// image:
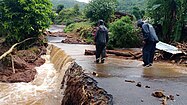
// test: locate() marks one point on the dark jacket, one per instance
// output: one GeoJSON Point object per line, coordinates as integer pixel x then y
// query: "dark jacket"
{"type": "Point", "coordinates": [149, 34]}
{"type": "Point", "coordinates": [101, 35]}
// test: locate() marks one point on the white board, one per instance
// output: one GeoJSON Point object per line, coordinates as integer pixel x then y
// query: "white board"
{"type": "Point", "coordinates": [168, 48]}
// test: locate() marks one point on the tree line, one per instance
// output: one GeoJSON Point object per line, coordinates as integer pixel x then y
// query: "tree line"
{"type": "Point", "coordinates": [21, 19]}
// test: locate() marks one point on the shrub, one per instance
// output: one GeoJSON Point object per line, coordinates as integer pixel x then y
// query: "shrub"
{"type": "Point", "coordinates": [123, 34]}
{"type": "Point", "coordinates": [83, 29]}
{"type": "Point", "coordinates": [25, 18]}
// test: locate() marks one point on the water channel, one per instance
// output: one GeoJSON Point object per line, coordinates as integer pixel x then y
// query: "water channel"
{"type": "Point", "coordinates": [45, 89]}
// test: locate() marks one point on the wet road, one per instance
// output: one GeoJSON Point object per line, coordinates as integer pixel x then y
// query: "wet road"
{"type": "Point", "coordinates": [112, 75]}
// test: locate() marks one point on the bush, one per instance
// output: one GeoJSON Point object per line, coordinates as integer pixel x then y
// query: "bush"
{"type": "Point", "coordinates": [123, 34]}
{"type": "Point", "coordinates": [25, 18]}
{"type": "Point", "coordinates": [77, 27]}
{"type": "Point", "coordinates": [68, 16]}
{"type": "Point", "coordinates": [83, 29]}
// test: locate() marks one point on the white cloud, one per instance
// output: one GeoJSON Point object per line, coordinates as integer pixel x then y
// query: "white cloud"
{"type": "Point", "coordinates": [86, 1]}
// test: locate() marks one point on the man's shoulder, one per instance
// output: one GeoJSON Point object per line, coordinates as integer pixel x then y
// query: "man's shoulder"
{"type": "Point", "coordinates": [145, 24]}
{"type": "Point", "coordinates": [102, 28]}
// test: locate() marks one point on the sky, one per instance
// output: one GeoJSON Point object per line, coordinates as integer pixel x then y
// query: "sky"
{"type": "Point", "coordinates": [86, 1]}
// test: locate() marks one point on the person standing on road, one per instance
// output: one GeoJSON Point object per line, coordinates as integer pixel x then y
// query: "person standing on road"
{"type": "Point", "coordinates": [101, 39]}
{"type": "Point", "coordinates": [149, 40]}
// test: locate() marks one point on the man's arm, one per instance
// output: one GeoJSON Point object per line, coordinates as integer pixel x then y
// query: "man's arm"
{"type": "Point", "coordinates": [96, 35]}
{"type": "Point", "coordinates": [107, 37]}
{"type": "Point", "coordinates": [146, 32]}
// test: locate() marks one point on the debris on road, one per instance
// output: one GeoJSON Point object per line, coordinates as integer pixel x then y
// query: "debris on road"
{"type": "Point", "coordinates": [131, 81]}
{"type": "Point", "coordinates": [139, 84]}
{"type": "Point", "coordinates": [167, 48]}
{"type": "Point", "coordinates": [128, 54]}
{"type": "Point", "coordinates": [158, 94]}
{"type": "Point", "coordinates": [147, 86]}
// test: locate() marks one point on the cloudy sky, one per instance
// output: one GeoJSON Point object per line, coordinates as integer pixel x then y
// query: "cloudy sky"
{"type": "Point", "coordinates": [86, 1]}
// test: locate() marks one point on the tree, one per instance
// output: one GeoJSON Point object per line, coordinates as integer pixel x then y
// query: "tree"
{"type": "Point", "coordinates": [100, 9]}
{"type": "Point", "coordinates": [181, 19]}
{"type": "Point", "coordinates": [25, 18]}
{"type": "Point", "coordinates": [2, 31]}
{"type": "Point", "coordinates": [128, 5]}
{"type": "Point", "coordinates": [138, 13]}
{"type": "Point", "coordinates": [66, 16]}
{"type": "Point", "coordinates": [59, 8]}
{"type": "Point", "coordinates": [171, 15]}
{"type": "Point", "coordinates": [76, 9]}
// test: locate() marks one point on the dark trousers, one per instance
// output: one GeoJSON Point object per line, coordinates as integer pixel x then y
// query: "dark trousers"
{"type": "Point", "coordinates": [100, 51]}
{"type": "Point", "coordinates": [148, 53]}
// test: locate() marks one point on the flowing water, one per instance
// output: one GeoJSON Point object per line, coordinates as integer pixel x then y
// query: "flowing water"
{"type": "Point", "coordinates": [45, 88]}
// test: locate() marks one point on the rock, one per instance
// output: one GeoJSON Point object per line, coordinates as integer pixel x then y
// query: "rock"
{"type": "Point", "coordinates": [158, 94]}
{"type": "Point", "coordinates": [177, 95]}
{"type": "Point", "coordinates": [95, 74]}
{"type": "Point", "coordinates": [171, 97]}
{"type": "Point", "coordinates": [147, 87]}
{"type": "Point", "coordinates": [164, 101]}
{"type": "Point", "coordinates": [139, 84]}
{"type": "Point", "coordinates": [173, 61]}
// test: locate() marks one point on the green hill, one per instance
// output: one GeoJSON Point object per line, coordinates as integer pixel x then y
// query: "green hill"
{"type": "Point", "coordinates": [127, 5]}
{"type": "Point", "coordinates": [67, 3]}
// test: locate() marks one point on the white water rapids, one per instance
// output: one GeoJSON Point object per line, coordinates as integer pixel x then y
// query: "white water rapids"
{"type": "Point", "coordinates": [44, 90]}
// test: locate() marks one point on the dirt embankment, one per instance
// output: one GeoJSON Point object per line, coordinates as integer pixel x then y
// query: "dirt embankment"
{"type": "Point", "coordinates": [71, 38]}
{"type": "Point", "coordinates": [80, 89]}
{"type": "Point", "coordinates": [20, 65]}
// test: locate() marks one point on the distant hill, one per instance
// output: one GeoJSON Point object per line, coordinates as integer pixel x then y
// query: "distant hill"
{"type": "Point", "coordinates": [123, 5]}
{"type": "Point", "coordinates": [67, 3]}
{"type": "Point", "coordinates": [127, 5]}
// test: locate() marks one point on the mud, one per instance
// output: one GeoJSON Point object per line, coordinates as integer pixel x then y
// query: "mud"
{"type": "Point", "coordinates": [81, 89]}
{"type": "Point", "coordinates": [24, 63]}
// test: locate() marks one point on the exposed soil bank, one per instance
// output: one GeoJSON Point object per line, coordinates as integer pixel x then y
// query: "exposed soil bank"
{"type": "Point", "coordinates": [24, 62]}
{"type": "Point", "coordinates": [81, 89]}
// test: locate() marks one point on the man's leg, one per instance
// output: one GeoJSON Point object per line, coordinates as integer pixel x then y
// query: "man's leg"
{"type": "Point", "coordinates": [153, 48]}
{"type": "Point", "coordinates": [103, 54]}
{"type": "Point", "coordinates": [146, 54]}
{"type": "Point", "coordinates": [98, 52]}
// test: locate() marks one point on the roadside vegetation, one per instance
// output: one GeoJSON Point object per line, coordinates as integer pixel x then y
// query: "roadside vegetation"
{"type": "Point", "coordinates": [124, 34]}
{"type": "Point", "coordinates": [22, 19]}
{"type": "Point", "coordinates": [22, 23]}
{"type": "Point", "coordinates": [82, 30]}
{"type": "Point", "coordinates": [168, 17]}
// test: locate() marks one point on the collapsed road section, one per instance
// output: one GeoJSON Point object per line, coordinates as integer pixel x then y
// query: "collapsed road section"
{"type": "Point", "coordinates": [78, 88]}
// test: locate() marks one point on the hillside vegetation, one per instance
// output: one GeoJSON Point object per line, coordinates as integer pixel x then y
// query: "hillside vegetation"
{"type": "Point", "coordinates": [67, 3]}
{"type": "Point", "coordinates": [128, 5]}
